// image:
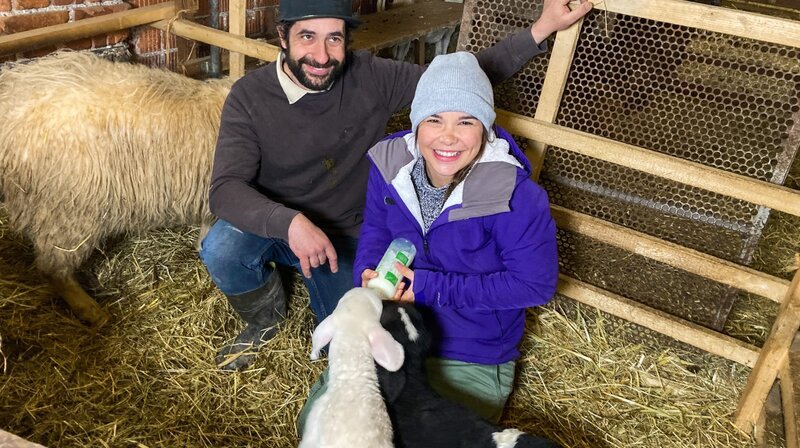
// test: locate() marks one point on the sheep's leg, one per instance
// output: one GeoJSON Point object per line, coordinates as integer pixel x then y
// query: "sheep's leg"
{"type": "Point", "coordinates": [83, 305]}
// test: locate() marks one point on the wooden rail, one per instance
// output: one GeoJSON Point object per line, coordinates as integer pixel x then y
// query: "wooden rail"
{"type": "Point", "coordinates": [66, 32]}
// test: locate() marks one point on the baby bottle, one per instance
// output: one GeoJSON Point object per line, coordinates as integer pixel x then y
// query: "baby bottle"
{"type": "Point", "coordinates": [402, 251]}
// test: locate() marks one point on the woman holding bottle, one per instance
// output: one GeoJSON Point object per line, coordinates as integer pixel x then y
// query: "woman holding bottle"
{"type": "Point", "coordinates": [459, 190]}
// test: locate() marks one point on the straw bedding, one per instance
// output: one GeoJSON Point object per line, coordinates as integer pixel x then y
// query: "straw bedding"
{"type": "Point", "coordinates": [148, 379]}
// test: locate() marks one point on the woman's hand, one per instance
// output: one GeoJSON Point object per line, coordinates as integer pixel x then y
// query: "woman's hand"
{"type": "Point", "coordinates": [405, 293]}
{"type": "Point", "coordinates": [366, 276]}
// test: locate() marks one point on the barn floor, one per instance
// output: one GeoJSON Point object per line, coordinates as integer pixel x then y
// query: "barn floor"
{"type": "Point", "coordinates": [147, 379]}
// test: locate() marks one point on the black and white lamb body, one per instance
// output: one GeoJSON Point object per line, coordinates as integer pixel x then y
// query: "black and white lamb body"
{"type": "Point", "coordinates": [421, 417]}
{"type": "Point", "coordinates": [351, 413]}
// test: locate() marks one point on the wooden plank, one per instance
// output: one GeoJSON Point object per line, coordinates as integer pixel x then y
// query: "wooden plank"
{"type": "Point", "coordinates": [403, 23]}
{"type": "Point", "coordinates": [771, 359]}
{"type": "Point", "coordinates": [66, 32]}
{"type": "Point", "coordinates": [237, 25]}
{"type": "Point", "coordinates": [664, 323]}
{"type": "Point", "coordinates": [790, 395]}
{"type": "Point", "coordinates": [672, 254]}
{"type": "Point", "coordinates": [713, 18]}
{"type": "Point", "coordinates": [244, 45]}
{"type": "Point", "coordinates": [657, 164]}
{"type": "Point", "coordinates": [555, 81]}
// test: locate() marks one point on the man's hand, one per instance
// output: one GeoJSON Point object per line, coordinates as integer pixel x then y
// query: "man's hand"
{"type": "Point", "coordinates": [310, 245]}
{"type": "Point", "coordinates": [557, 16]}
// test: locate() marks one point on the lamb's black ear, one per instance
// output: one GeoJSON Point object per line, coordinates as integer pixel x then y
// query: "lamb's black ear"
{"type": "Point", "coordinates": [392, 383]}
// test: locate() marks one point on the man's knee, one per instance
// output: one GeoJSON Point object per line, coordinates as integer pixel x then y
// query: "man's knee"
{"type": "Point", "coordinates": [233, 258]}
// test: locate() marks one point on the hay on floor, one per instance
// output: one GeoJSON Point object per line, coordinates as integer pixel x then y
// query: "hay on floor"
{"type": "Point", "coordinates": [148, 378]}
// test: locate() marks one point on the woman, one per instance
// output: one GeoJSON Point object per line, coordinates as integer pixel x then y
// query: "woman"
{"type": "Point", "coordinates": [486, 243]}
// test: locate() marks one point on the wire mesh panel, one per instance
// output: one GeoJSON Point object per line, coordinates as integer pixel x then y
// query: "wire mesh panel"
{"type": "Point", "coordinates": [727, 102]}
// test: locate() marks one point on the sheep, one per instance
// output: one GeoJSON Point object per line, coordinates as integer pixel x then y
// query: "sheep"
{"type": "Point", "coordinates": [420, 416]}
{"type": "Point", "coordinates": [90, 149]}
{"type": "Point", "coordinates": [351, 412]}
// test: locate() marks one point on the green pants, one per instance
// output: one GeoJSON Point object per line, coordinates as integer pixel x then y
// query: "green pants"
{"type": "Point", "coordinates": [483, 389]}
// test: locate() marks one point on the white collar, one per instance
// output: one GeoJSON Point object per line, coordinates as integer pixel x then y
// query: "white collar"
{"type": "Point", "coordinates": [293, 91]}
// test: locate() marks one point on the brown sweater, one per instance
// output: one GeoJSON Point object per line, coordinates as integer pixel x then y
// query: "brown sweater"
{"type": "Point", "coordinates": [274, 159]}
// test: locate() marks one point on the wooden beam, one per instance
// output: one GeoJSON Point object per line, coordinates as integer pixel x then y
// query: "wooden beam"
{"type": "Point", "coordinates": [773, 355]}
{"type": "Point", "coordinates": [66, 32]}
{"type": "Point", "coordinates": [237, 25]}
{"type": "Point", "coordinates": [244, 45]}
{"type": "Point", "coordinates": [671, 254]}
{"type": "Point", "coordinates": [555, 81]}
{"type": "Point", "coordinates": [404, 23]}
{"type": "Point", "coordinates": [664, 323]}
{"type": "Point", "coordinates": [651, 162]}
{"type": "Point", "coordinates": [790, 395]}
{"type": "Point", "coordinates": [713, 18]}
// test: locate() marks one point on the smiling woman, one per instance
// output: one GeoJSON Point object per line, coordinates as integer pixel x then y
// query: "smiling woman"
{"type": "Point", "coordinates": [459, 190]}
{"type": "Point", "coordinates": [449, 142]}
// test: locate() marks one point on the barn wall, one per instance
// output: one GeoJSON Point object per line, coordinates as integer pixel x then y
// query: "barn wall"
{"type": "Point", "coordinates": [147, 45]}
{"type": "Point", "coordinates": [23, 15]}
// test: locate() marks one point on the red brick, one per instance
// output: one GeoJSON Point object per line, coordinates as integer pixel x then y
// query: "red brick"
{"type": "Point", "coordinates": [140, 3]}
{"type": "Point", "coordinates": [15, 24]}
{"type": "Point", "coordinates": [147, 40]}
{"type": "Point", "coordinates": [5, 5]}
{"type": "Point", "coordinates": [80, 44]}
{"type": "Point", "coordinates": [94, 11]}
{"type": "Point", "coordinates": [65, 2]}
{"type": "Point", "coordinates": [263, 23]}
{"type": "Point", "coordinates": [33, 54]}
{"type": "Point", "coordinates": [115, 38]}
{"type": "Point", "coordinates": [30, 4]}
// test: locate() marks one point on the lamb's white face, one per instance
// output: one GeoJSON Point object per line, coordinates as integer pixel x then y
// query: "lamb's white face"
{"type": "Point", "coordinates": [363, 301]}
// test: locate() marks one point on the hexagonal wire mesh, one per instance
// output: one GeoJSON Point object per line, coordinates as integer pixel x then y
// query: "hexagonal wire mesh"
{"type": "Point", "coordinates": [723, 101]}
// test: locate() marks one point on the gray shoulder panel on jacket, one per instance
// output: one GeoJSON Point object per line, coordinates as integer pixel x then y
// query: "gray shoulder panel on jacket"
{"type": "Point", "coordinates": [487, 190]}
{"type": "Point", "coordinates": [389, 156]}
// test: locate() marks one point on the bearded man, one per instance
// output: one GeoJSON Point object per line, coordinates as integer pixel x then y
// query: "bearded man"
{"type": "Point", "coordinates": [290, 172]}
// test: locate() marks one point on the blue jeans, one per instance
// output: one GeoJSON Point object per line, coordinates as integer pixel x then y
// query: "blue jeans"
{"type": "Point", "coordinates": [239, 262]}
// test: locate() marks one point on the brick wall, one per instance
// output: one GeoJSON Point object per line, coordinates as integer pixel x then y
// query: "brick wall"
{"type": "Point", "coordinates": [23, 15]}
{"type": "Point", "coordinates": [147, 45]}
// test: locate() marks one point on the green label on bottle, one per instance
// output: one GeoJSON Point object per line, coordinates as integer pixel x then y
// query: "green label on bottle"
{"type": "Point", "coordinates": [402, 258]}
{"type": "Point", "coordinates": [391, 277]}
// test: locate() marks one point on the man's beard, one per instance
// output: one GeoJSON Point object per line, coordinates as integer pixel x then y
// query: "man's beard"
{"type": "Point", "coordinates": [314, 82]}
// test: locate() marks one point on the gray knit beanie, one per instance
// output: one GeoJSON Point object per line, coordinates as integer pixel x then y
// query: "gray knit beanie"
{"type": "Point", "coordinates": [453, 83]}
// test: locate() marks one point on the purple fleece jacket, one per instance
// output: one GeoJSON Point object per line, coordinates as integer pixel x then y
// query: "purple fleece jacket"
{"type": "Point", "coordinates": [487, 257]}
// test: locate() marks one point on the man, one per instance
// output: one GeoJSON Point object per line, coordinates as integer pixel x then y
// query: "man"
{"type": "Point", "coordinates": [289, 177]}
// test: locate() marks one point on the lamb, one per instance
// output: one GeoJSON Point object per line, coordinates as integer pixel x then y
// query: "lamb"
{"type": "Point", "coordinates": [351, 412]}
{"type": "Point", "coordinates": [90, 149]}
{"type": "Point", "coordinates": [420, 416]}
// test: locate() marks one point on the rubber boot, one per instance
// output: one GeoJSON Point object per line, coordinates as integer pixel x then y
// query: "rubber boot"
{"type": "Point", "coordinates": [263, 309]}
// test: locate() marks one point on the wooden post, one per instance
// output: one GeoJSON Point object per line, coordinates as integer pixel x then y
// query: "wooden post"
{"type": "Point", "coordinates": [555, 81]}
{"type": "Point", "coordinates": [237, 25]}
{"type": "Point", "coordinates": [790, 395]}
{"type": "Point", "coordinates": [771, 359]}
{"type": "Point", "coordinates": [419, 50]}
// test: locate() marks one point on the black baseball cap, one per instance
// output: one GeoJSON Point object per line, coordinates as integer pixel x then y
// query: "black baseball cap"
{"type": "Point", "coordinates": [293, 10]}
